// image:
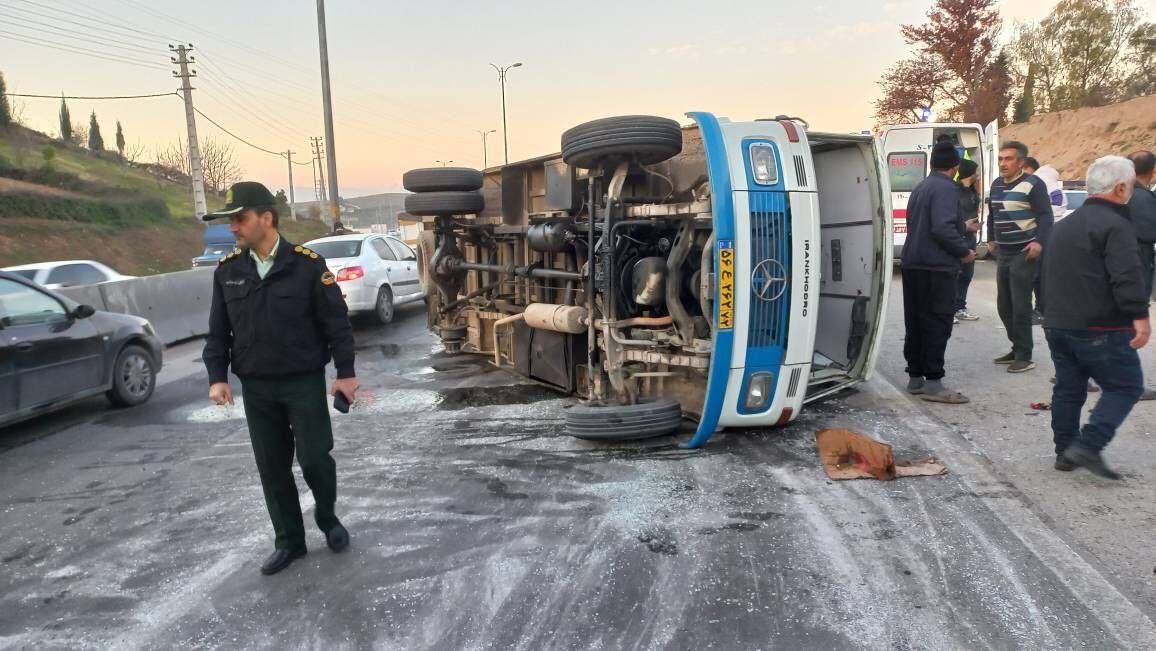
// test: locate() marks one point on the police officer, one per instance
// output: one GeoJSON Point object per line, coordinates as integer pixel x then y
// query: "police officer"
{"type": "Point", "coordinates": [278, 317]}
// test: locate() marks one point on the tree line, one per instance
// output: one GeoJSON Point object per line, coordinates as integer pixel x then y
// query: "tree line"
{"type": "Point", "coordinates": [219, 161]}
{"type": "Point", "coordinates": [1084, 53]}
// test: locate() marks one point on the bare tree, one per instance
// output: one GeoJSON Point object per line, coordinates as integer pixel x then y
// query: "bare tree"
{"type": "Point", "coordinates": [174, 157]}
{"type": "Point", "coordinates": [79, 134]}
{"type": "Point", "coordinates": [218, 162]}
{"type": "Point", "coordinates": [133, 153]}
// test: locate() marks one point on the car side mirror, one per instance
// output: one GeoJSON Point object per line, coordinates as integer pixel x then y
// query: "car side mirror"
{"type": "Point", "coordinates": [411, 258]}
{"type": "Point", "coordinates": [83, 311]}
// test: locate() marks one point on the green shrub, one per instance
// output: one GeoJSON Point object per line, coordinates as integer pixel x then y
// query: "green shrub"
{"type": "Point", "coordinates": [114, 213]}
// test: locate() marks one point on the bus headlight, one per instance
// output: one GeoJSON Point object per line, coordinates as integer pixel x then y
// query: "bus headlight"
{"type": "Point", "coordinates": [764, 165]}
{"type": "Point", "coordinates": [759, 390]}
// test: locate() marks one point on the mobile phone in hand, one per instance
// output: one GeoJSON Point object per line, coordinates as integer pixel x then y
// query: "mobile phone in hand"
{"type": "Point", "coordinates": [340, 402]}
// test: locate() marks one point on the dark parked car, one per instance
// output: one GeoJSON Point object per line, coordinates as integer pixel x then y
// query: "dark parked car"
{"type": "Point", "coordinates": [54, 351]}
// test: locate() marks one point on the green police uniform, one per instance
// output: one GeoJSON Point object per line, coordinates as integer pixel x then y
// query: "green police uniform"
{"type": "Point", "coordinates": [278, 321]}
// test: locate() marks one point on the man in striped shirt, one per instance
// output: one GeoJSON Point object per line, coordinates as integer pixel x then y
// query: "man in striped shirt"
{"type": "Point", "coordinates": [1017, 231]}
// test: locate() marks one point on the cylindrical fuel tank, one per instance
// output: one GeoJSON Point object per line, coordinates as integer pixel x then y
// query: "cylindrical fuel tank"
{"type": "Point", "coordinates": [550, 237]}
{"type": "Point", "coordinates": [558, 318]}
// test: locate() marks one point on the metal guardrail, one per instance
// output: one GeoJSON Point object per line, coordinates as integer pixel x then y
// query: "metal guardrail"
{"type": "Point", "coordinates": [176, 303]}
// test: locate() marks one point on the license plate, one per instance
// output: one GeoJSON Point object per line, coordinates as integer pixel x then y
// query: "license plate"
{"type": "Point", "coordinates": [726, 285]}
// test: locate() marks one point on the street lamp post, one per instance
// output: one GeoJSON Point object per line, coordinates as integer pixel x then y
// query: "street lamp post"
{"type": "Point", "coordinates": [502, 82]}
{"type": "Point", "coordinates": [485, 154]}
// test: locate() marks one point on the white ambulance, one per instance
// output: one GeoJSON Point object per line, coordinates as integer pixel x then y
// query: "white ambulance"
{"type": "Point", "coordinates": [907, 153]}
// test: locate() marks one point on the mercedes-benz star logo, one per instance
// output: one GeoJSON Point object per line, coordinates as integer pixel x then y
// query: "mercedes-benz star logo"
{"type": "Point", "coordinates": [769, 280]}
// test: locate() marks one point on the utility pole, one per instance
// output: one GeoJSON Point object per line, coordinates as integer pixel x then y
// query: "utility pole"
{"type": "Point", "coordinates": [502, 81]}
{"type": "Point", "coordinates": [485, 155]}
{"type": "Point", "coordinates": [200, 206]}
{"type": "Point", "coordinates": [292, 209]}
{"type": "Point", "coordinates": [327, 99]}
{"type": "Point", "coordinates": [319, 173]}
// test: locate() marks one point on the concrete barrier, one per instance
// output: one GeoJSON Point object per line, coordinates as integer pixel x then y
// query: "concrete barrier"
{"type": "Point", "coordinates": [87, 295]}
{"type": "Point", "coordinates": [176, 303]}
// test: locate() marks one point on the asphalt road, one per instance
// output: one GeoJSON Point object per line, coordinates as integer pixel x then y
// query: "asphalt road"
{"type": "Point", "coordinates": [476, 524]}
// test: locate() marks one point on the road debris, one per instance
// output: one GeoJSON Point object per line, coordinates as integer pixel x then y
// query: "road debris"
{"type": "Point", "coordinates": [848, 455]}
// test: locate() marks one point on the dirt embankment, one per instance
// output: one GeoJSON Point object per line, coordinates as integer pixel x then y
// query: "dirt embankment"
{"type": "Point", "coordinates": [1071, 140]}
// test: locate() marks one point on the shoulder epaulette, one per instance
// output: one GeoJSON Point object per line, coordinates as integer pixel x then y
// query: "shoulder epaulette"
{"type": "Point", "coordinates": [232, 254]}
{"type": "Point", "coordinates": [312, 255]}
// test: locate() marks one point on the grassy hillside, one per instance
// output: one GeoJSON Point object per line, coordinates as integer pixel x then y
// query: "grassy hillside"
{"type": "Point", "coordinates": [59, 202]}
{"type": "Point", "coordinates": [1071, 140]}
{"type": "Point", "coordinates": [27, 150]}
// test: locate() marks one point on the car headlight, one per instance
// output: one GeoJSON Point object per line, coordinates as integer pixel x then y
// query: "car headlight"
{"type": "Point", "coordinates": [759, 390]}
{"type": "Point", "coordinates": [764, 164]}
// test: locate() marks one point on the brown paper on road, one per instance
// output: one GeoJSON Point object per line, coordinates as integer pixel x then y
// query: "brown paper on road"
{"type": "Point", "coordinates": [847, 455]}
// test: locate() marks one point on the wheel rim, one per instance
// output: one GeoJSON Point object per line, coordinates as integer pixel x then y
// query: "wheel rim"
{"type": "Point", "coordinates": [135, 375]}
{"type": "Point", "coordinates": [385, 306]}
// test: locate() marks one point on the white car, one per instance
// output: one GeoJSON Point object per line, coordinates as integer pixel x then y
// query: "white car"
{"type": "Point", "coordinates": [1074, 199]}
{"type": "Point", "coordinates": [67, 273]}
{"type": "Point", "coordinates": [376, 272]}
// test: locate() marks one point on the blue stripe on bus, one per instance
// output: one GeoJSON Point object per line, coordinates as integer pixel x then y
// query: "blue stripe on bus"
{"type": "Point", "coordinates": [722, 207]}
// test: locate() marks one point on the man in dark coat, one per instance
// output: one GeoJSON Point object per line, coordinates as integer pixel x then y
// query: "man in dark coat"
{"type": "Point", "coordinates": [1096, 316]}
{"type": "Point", "coordinates": [932, 258]}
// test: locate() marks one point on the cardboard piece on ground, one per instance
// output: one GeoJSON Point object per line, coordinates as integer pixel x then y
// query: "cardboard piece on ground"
{"type": "Point", "coordinates": [848, 455]}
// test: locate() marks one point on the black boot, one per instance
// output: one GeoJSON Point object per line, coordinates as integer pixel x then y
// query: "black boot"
{"type": "Point", "coordinates": [281, 559]}
{"type": "Point", "coordinates": [337, 538]}
{"type": "Point", "coordinates": [1093, 461]}
{"type": "Point", "coordinates": [1063, 464]}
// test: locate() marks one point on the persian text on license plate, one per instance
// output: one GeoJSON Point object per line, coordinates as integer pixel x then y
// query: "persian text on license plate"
{"type": "Point", "coordinates": [726, 285]}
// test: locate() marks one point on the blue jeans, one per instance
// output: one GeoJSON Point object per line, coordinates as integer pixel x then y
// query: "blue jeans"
{"type": "Point", "coordinates": [1105, 357]}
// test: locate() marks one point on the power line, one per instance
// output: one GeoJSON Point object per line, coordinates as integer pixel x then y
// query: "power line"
{"type": "Point", "coordinates": [91, 97]}
{"type": "Point", "coordinates": [93, 19]}
{"type": "Point", "coordinates": [87, 36]}
{"type": "Point", "coordinates": [218, 125]}
{"type": "Point", "coordinates": [54, 45]}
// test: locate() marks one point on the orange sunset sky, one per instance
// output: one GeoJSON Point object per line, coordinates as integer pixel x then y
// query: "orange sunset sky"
{"type": "Point", "coordinates": [412, 82]}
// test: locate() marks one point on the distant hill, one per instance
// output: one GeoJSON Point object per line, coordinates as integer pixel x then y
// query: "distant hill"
{"type": "Point", "coordinates": [1071, 140]}
{"type": "Point", "coordinates": [61, 202]}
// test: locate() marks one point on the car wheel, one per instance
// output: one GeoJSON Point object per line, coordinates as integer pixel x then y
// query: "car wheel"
{"type": "Point", "coordinates": [648, 418]}
{"type": "Point", "coordinates": [441, 179]}
{"type": "Point", "coordinates": [134, 377]}
{"type": "Point", "coordinates": [640, 138]}
{"type": "Point", "coordinates": [384, 309]}
{"type": "Point", "coordinates": [444, 203]}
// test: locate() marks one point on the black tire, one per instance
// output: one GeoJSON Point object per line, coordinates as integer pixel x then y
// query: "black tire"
{"type": "Point", "coordinates": [442, 179]}
{"type": "Point", "coordinates": [641, 138]}
{"type": "Point", "coordinates": [134, 377]}
{"type": "Point", "coordinates": [384, 309]}
{"type": "Point", "coordinates": [435, 204]}
{"type": "Point", "coordinates": [649, 418]}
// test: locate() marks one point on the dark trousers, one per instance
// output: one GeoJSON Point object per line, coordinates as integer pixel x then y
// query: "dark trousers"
{"type": "Point", "coordinates": [1105, 357]}
{"type": "Point", "coordinates": [1013, 282]}
{"type": "Point", "coordinates": [928, 311]}
{"type": "Point", "coordinates": [287, 414]}
{"type": "Point", "coordinates": [962, 284]}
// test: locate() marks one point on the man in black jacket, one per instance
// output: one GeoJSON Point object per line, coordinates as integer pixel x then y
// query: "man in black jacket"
{"type": "Point", "coordinates": [277, 318]}
{"type": "Point", "coordinates": [932, 258]}
{"type": "Point", "coordinates": [1142, 208]}
{"type": "Point", "coordinates": [1096, 316]}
